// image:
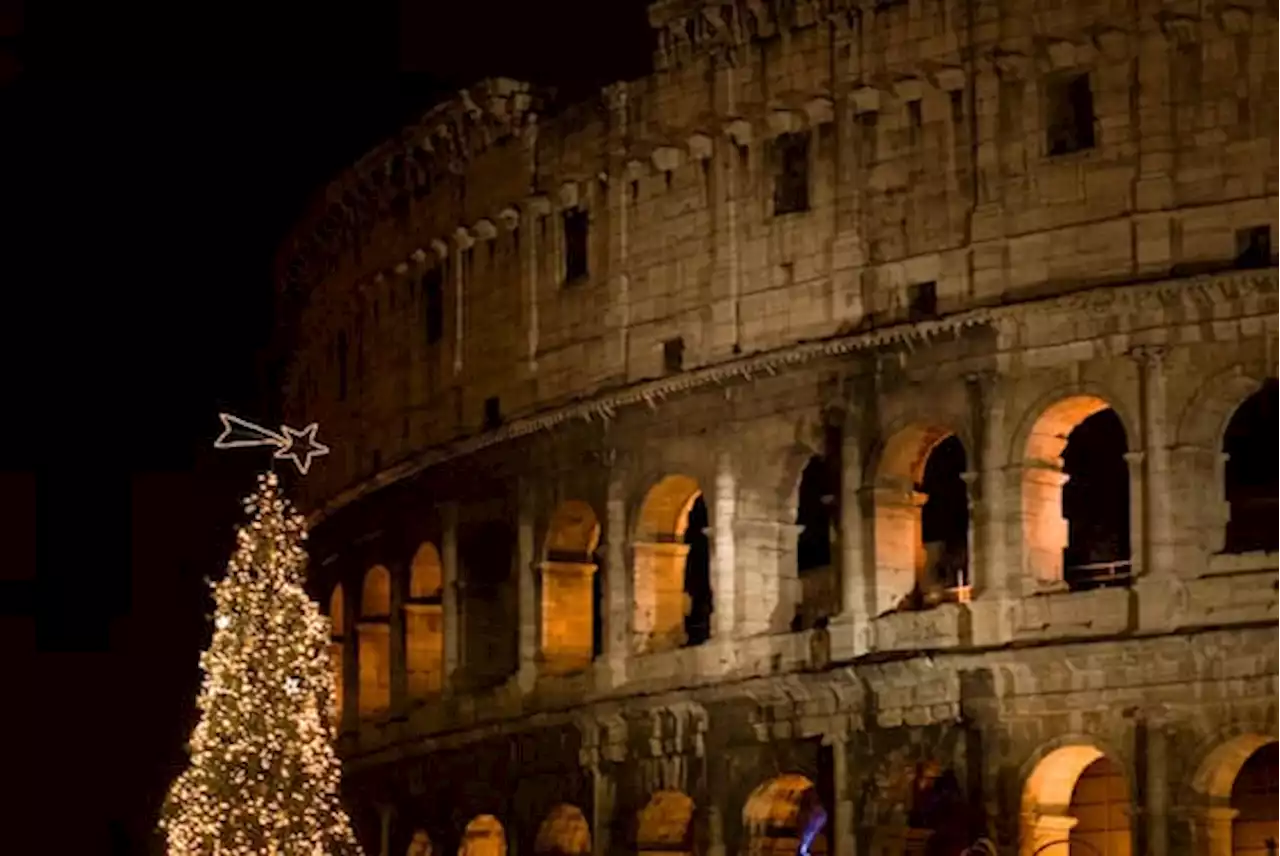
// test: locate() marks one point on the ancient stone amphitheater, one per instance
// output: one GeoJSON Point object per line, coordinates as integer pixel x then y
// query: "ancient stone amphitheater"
{"type": "Point", "coordinates": [874, 408]}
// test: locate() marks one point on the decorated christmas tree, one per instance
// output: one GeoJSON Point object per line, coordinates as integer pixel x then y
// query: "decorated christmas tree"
{"type": "Point", "coordinates": [263, 776]}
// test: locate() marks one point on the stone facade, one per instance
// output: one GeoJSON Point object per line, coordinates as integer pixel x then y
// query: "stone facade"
{"type": "Point", "coordinates": [872, 408]}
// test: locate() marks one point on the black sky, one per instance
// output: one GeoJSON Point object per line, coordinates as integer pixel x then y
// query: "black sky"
{"type": "Point", "coordinates": [152, 158]}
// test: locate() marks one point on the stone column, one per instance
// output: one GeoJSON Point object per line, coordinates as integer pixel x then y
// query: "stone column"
{"type": "Point", "coordinates": [527, 641]}
{"type": "Point", "coordinates": [1157, 791]}
{"type": "Point", "coordinates": [724, 581]}
{"type": "Point", "coordinates": [449, 592]}
{"type": "Point", "coordinates": [350, 666]}
{"type": "Point", "coordinates": [618, 316]}
{"type": "Point", "coordinates": [616, 617]}
{"type": "Point", "coordinates": [840, 825]}
{"type": "Point", "coordinates": [384, 816]}
{"type": "Point", "coordinates": [1050, 835]}
{"type": "Point", "coordinates": [1211, 830]}
{"type": "Point", "coordinates": [770, 588]}
{"type": "Point", "coordinates": [399, 672]}
{"type": "Point", "coordinates": [1157, 550]}
{"type": "Point", "coordinates": [857, 569]}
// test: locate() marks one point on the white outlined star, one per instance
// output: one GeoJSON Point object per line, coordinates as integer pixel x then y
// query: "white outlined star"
{"type": "Point", "coordinates": [310, 448]}
{"type": "Point", "coordinates": [291, 444]}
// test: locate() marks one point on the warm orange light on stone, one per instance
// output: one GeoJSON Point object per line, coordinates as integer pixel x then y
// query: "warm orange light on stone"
{"type": "Point", "coordinates": [374, 637]}
{"type": "Point", "coordinates": [662, 826]}
{"type": "Point", "coordinates": [1044, 529]}
{"type": "Point", "coordinates": [424, 624]}
{"type": "Point", "coordinates": [484, 836]}
{"type": "Point", "coordinates": [564, 833]}
{"type": "Point", "coordinates": [659, 562]}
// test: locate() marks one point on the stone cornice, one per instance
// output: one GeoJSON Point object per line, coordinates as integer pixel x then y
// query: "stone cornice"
{"type": "Point", "coordinates": [1105, 299]}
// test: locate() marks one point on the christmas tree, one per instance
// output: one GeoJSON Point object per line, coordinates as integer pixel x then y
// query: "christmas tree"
{"type": "Point", "coordinates": [263, 776]}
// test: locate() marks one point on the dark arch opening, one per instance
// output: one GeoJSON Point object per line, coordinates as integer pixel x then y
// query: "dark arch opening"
{"type": "Point", "coordinates": [944, 519]}
{"type": "Point", "coordinates": [1254, 830]}
{"type": "Point", "coordinates": [697, 576]}
{"type": "Point", "coordinates": [1250, 473]}
{"type": "Point", "coordinates": [817, 501]}
{"type": "Point", "coordinates": [1095, 503]}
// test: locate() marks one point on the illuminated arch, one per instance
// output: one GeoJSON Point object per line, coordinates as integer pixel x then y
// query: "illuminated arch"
{"type": "Point", "coordinates": [1076, 795]}
{"type": "Point", "coordinates": [672, 588]}
{"type": "Point", "coordinates": [374, 638]}
{"type": "Point", "coordinates": [778, 813]}
{"type": "Point", "coordinates": [909, 572]}
{"type": "Point", "coordinates": [424, 624]}
{"type": "Point", "coordinates": [564, 832]}
{"type": "Point", "coordinates": [484, 836]}
{"type": "Point", "coordinates": [569, 598]}
{"type": "Point", "coordinates": [1048, 536]}
{"type": "Point", "coordinates": [664, 825]}
{"type": "Point", "coordinates": [426, 574]}
{"type": "Point", "coordinates": [1232, 808]}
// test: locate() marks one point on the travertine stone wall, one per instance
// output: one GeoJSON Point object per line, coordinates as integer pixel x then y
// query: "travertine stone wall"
{"type": "Point", "coordinates": [816, 230]}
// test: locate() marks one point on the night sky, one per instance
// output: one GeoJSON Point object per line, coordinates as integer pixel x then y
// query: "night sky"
{"type": "Point", "coordinates": [153, 159]}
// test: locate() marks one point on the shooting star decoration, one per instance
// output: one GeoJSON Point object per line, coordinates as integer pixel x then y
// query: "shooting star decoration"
{"type": "Point", "coordinates": [291, 444]}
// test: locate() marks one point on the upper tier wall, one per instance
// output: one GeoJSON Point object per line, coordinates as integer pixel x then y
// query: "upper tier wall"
{"type": "Point", "coordinates": [790, 171]}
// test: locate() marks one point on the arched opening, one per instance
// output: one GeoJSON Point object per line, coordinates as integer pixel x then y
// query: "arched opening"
{"type": "Point", "coordinates": [817, 515]}
{"type": "Point", "coordinates": [921, 520]}
{"type": "Point", "coordinates": [673, 598]}
{"type": "Point", "coordinates": [1075, 496]}
{"type": "Point", "coordinates": [1255, 829]}
{"type": "Point", "coordinates": [420, 844]}
{"type": "Point", "coordinates": [568, 589]}
{"type": "Point", "coordinates": [424, 624]}
{"type": "Point", "coordinates": [1250, 474]}
{"type": "Point", "coordinates": [490, 613]}
{"type": "Point", "coordinates": [374, 637]}
{"type": "Point", "coordinates": [939, 819]}
{"type": "Point", "coordinates": [664, 827]}
{"type": "Point", "coordinates": [484, 836]}
{"type": "Point", "coordinates": [1076, 803]}
{"type": "Point", "coordinates": [1234, 806]}
{"type": "Point", "coordinates": [783, 817]}
{"type": "Point", "coordinates": [337, 641]}
{"type": "Point", "coordinates": [564, 832]}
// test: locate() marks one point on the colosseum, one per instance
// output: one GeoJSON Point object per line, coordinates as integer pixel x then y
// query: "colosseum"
{"type": "Point", "coordinates": [858, 436]}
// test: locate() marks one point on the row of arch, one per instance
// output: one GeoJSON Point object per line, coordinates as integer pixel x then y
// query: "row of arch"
{"type": "Point", "coordinates": [1076, 801]}
{"type": "Point", "coordinates": [777, 816]}
{"type": "Point", "coordinates": [1075, 527]}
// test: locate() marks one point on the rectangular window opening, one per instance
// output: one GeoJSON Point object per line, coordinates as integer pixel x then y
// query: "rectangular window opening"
{"type": "Point", "coordinates": [791, 182]}
{"type": "Point", "coordinates": [1253, 247]}
{"type": "Point", "coordinates": [1070, 113]}
{"type": "Point", "coordinates": [673, 355]}
{"type": "Point", "coordinates": [492, 412]}
{"type": "Point", "coordinates": [576, 228]}
{"type": "Point", "coordinates": [923, 301]}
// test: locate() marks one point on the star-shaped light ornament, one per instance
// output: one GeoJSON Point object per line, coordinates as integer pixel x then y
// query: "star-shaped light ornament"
{"type": "Point", "coordinates": [301, 446]}
{"type": "Point", "coordinates": [291, 444]}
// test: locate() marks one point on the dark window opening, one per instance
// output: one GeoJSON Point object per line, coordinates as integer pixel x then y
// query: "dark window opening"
{"type": "Point", "coordinates": [673, 355]}
{"type": "Point", "coordinates": [922, 301]}
{"type": "Point", "coordinates": [433, 304]}
{"type": "Point", "coordinates": [1253, 247]}
{"type": "Point", "coordinates": [635, 192]}
{"type": "Point", "coordinates": [915, 121]}
{"type": "Point", "coordinates": [342, 365]}
{"type": "Point", "coordinates": [575, 245]}
{"type": "Point", "coordinates": [816, 515]}
{"type": "Point", "coordinates": [957, 106]}
{"type": "Point", "coordinates": [697, 577]}
{"type": "Point", "coordinates": [1071, 118]}
{"type": "Point", "coordinates": [944, 519]}
{"type": "Point", "coordinates": [492, 413]}
{"type": "Point", "coordinates": [1095, 503]}
{"type": "Point", "coordinates": [791, 182]}
{"type": "Point", "coordinates": [490, 613]}
{"type": "Point", "coordinates": [1250, 474]}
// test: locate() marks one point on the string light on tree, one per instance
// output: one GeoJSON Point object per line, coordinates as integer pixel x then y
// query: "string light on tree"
{"type": "Point", "coordinates": [263, 776]}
